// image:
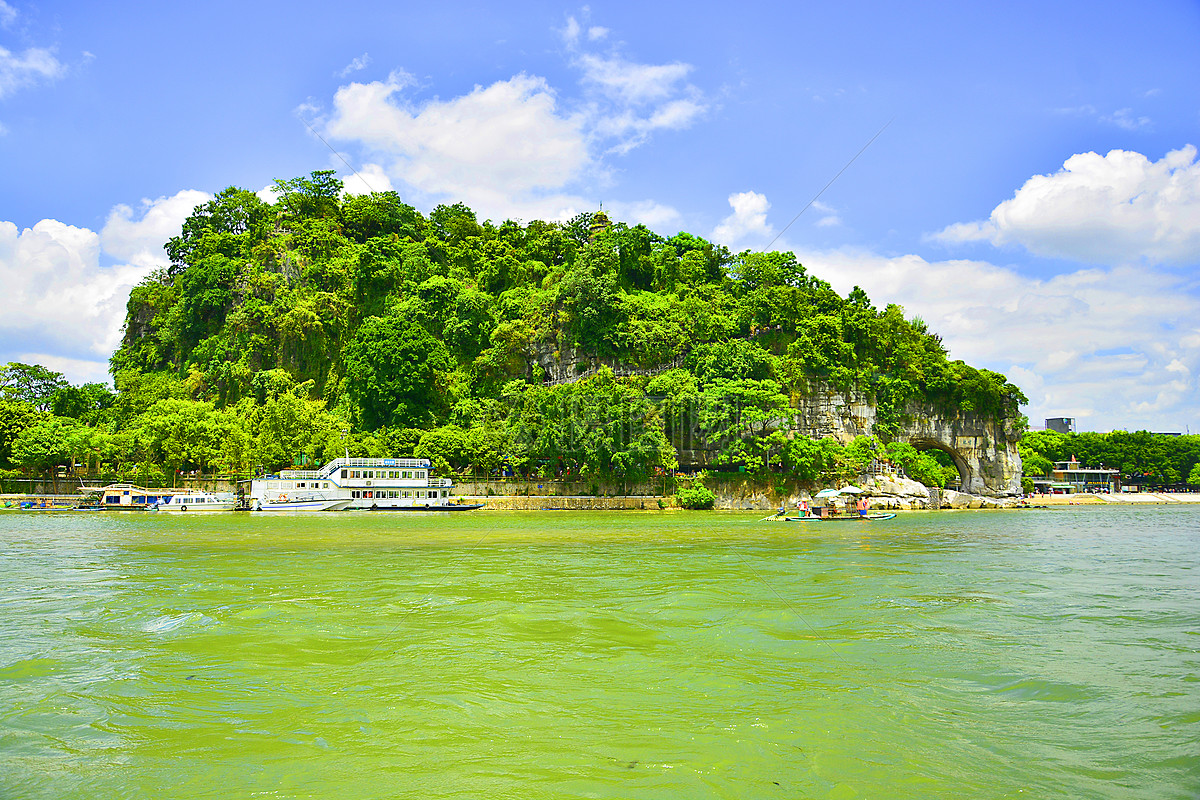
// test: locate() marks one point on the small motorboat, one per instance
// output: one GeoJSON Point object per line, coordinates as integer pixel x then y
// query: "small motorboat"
{"type": "Point", "coordinates": [189, 501]}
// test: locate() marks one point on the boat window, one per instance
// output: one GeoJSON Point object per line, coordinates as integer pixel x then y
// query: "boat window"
{"type": "Point", "coordinates": [420, 473]}
{"type": "Point", "coordinates": [444, 493]}
{"type": "Point", "coordinates": [408, 473]}
{"type": "Point", "coordinates": [407, 494]}
{"type": "Point", "coordinates": [344, 473]}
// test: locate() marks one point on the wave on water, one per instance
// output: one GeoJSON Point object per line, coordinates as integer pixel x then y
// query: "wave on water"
{"type": "Point", "coordinates": [171, 622]}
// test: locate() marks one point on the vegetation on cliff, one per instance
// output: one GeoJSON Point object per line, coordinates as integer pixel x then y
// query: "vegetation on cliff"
{"type": "Point", "coordinates": [286, 331]}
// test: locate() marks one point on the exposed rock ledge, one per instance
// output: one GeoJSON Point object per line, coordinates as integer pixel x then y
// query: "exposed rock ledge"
{"type": "Point", "coordinates": [905, 493]}
{"type": "Point", "coordinates": [892, 493]}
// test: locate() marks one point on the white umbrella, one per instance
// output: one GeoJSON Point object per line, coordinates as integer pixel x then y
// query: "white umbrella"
{"type": "Point", "coordinates": [850, 490]}
{"type": "Point", "coordinates": [827, 493]}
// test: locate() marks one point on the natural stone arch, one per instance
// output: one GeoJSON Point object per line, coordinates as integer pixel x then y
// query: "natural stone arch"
{"type": "Point", "coordinates": [965, 473]}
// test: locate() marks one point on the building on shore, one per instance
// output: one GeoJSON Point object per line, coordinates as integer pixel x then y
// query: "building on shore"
{"type": "Point", "coordinates": [1070, 477]}
{"type": "Point", "coordinates": [1061, 424]}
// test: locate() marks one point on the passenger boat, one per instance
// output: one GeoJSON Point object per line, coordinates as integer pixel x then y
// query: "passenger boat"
{"type": "Point", "coordinates": [357, 484]}
{"type": "Point", "coordinates": [192, 500]}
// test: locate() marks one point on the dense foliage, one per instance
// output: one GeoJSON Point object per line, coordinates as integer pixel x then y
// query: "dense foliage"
{"type": "Point", "coordinates": [284, 332]}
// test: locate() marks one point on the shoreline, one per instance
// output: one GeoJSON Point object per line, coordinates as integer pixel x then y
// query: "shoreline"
{"type": "Point", "coordinates": [667, 502]}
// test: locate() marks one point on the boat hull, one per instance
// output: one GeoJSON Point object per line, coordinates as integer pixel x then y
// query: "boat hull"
{"type": "Point", "coordinates": [447, 507]}
{"type": "Point", "coordinates": [184, 508]}
{"type": "Point", "coordinates": [303, 505]}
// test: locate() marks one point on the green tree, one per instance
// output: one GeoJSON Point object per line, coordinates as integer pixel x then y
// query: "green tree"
{"type": "Point", "coordinates": [30, 383]}
{"type": "Point", "coordinates": [15, 417]}
{"type": "Point", "coordinates": [394, 368]}
{"type": "Point", "coordinates": [43, 445]}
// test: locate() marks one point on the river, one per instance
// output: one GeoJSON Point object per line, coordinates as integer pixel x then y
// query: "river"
{"type": "Point", "coordinates": [1006, 654]}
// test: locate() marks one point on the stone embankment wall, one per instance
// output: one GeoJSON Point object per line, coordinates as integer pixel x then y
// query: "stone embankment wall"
{"type": "Point", "coordinates": [578, 503]}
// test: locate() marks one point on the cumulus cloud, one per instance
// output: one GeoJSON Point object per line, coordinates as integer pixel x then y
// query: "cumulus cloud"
{"type": "Point", "coordinates": [508, 138]}
{"type": "Point", "coordinates": [18, 71]}
{"type": "Point", "coordinates": [369, 178]}
{"type": "Point", "coordinates": [56, 297]}
{"type": "Point", "coordinates": [8, 14]}
{"type": "Point", "coordinates": [138, 237]}
{"type": "Point", "coordinates": [748, 222]}
{"type": "Point", "coordinates": [1117, 346]}
{"type": "Point", "coordinates": [516, 147]}
{"type": "Point", "coordinates": [61, 305]}
{"type": "Point", "coordinates": [1120, 208]}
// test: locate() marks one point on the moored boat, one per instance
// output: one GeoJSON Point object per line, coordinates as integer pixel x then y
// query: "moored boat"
{"type": "Point", "coordinates": [193, 500]}
{"type": "Point", "coordinates": [357, 484]}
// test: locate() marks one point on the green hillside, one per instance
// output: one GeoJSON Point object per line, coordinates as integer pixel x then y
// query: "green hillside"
{"type": "Point", "coordinates": [293, 329]}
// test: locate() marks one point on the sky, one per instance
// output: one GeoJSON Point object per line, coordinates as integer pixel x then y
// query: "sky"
{"type": "Point", "coordinates": [1022, 176]}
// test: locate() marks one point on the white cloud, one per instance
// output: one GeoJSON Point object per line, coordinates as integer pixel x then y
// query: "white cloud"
{"type": "Point", "coordinates": [60, 303]}
{"type": "Point", "coordinates": [630, 82]}
{"type": "Point", "coordinates": [370, 178]}
{"type": "Point", "coordinates": [140, 240]}
{"type": "Point", "coordinates": [748, 222]}
{"type": "Point", "coordinates": [1126, 119]}
{"type": "Point", "coordinates": [8, 14]}
{"type": "Point", "coordinates": [56, 297]}
{"type": "Point", "coordinates": [515, 148]}
{"type": "Point", "coordinates": [76, 370]}
{"type": "Point", "coordinates": [629, 100]}
{"type": "Point", "coordinates": [1117, 346]}
{"type": "Point", "coordinates": [1120, 208]}
{"type": "Point", "coordinates": [570, 33]}
{"type": "Point", "coordinates": [830, 216]}
{"type": "Point", "coordinates": [357, 64]}
{"type": "Point", "coordinates": [653, 215]}
{"type": "Point", "coordinates": [18, 71]}
{"type": "Point", "coordinates": [507, 139]}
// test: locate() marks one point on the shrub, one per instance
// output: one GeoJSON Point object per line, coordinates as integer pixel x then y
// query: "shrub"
{"type": "Point", "coordinates": [697, 498]}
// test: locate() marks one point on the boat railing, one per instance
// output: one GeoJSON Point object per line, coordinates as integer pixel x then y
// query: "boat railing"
{"type": "Point", "coordinates": [441, 483]}
{"type": "Point", "coordinates": [326, 471]}
{"type": "Point", "coordinates": [402, 463]}
{"type": "Point", "coordinates": [302, 474]}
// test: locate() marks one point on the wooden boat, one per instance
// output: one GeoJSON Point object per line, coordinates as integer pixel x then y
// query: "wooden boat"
{"type": "Point", "coordinates": [840, 518]}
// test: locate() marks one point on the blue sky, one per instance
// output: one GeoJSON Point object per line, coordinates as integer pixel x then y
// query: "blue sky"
{"type": "Point", "coordinates": [1035, 195]}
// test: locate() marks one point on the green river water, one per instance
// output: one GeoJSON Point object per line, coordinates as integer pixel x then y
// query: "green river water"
{"type": "Point", "coordinates": [1035, 654]}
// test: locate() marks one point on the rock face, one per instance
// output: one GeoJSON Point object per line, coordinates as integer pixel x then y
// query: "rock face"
{"type": "Point", "coordinates": [983, 449]}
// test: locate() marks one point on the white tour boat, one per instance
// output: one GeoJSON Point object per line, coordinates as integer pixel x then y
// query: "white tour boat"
{"type": "Point", "coordinates": [196, 500]}
{"type": "Point", "coordinates": [357, 484]}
